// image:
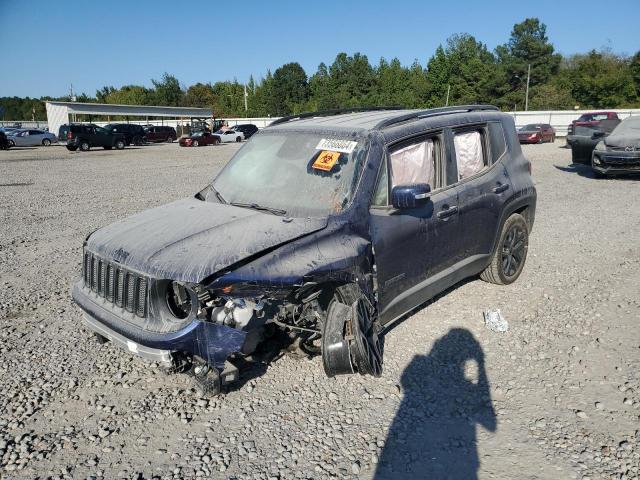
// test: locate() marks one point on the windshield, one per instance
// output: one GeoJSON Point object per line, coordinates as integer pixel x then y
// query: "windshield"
{"type": "Point", "coordinates": [532, 127]}
{"type": "Point", "coordinates": [305, 174]}
{"type": "Point", "coordinates": [628, 126]}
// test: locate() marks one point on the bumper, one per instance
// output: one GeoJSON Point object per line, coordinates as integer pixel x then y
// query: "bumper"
{"type": "Point", "coordinates": [613, 162]}
{"type": "Point", "coordinates": [529, 140]}
{"type": "Point", "coordinates": [210, 341]}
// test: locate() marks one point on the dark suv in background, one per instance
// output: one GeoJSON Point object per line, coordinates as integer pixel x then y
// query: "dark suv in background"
{"type": "Point", "coordinates": [84, 136]}
{"type": "Point", "coordinates": [247, 129]}
{"type": "Point", "coordinates": [133, 134]}
{"type": "Point", "coordinates": [319, 232]}
{"type": "Point", "coordinates": [160, 134]}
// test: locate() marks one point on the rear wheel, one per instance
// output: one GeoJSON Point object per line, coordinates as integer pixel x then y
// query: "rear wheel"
{"type": "Point", "coordinates": [170, 139]}
{"type": "Point", "coordinates": [84, 146]}
{"type": "Point", "coordinates": [46, 142]}
{"type": "Point", "coordinates": [71, 149]}
{"type": "Point", "coordinates": [11, 143]}
{"type": "Point", "coordinates": [510, 254]}
{"type": "Point", "coordinates": [238, 139]}
{"type": "Point", "coordinates": [137, 140]}
{"type": "Point", "coordinates": [216, 141]}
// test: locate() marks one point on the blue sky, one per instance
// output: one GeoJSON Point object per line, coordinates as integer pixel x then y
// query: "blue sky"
{"type": "Point", "coordinates": [49, 44]}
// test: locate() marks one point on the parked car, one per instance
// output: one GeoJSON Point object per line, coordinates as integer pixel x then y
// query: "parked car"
{"type": "Point", "coordinates": [226, 136]}
{"type": "Point", "coordinates": [247, 129]}
{"type": "Point", "coordinates": [586, 137]}
{"type": "Point", "coordinates": [322, 230]}
{"type": "Point", "coordinates": [31, 138]}
{"type": "Point", "coordinates": [199, 139]}
{"type": "Point", "coordinates": [85, 136]}
{"type": "Point", "coordinates": [133, 134]}
{"type": "Point", "coordinates": [537, 133]}
{"type": "Point", "coordinates": [160, 134]}
{"type": "Point", "coordinates": [4, 143]}
{"type": "Point", "coordinates": [9, 130]}
{"type": "Point", "coordinates": [619, 151]}
{"type": "Point", "coordinates": [591, 120]}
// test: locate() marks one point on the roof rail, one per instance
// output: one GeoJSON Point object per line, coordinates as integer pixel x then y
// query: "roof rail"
{"type": "Point", "coordinates": [328, 113]}
{"type": "Point", "coordinates": [432, 112]}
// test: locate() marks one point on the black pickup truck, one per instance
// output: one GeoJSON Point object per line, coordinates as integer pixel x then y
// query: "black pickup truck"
{"type": "Point", "coordinates": [85, 136]}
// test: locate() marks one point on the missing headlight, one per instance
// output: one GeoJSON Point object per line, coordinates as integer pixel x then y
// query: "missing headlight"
{"type": "Point", "coordinates": [178, 299]}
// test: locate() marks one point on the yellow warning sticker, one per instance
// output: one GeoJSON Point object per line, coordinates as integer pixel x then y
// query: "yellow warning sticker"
{"type": "Point", "coordinates": [326, 160]}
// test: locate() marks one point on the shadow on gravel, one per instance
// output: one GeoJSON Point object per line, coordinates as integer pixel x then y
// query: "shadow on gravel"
{"type": "Point", "coordinates": [446, 393]}
{"type": "Point", "coordinates": [581, 169]}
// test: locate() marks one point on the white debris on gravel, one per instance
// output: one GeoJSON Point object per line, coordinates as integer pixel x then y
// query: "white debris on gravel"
{"type": "Point", "coordinates": [495, 322]}
{"type": "Point", "coordinates": [71, 408]}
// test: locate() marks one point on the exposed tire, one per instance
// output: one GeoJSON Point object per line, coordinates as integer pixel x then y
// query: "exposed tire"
{"type": "Point", "coordinates": [84, 146]}
{"type": "Point", "coordinates": [196, 143]}
{"type": "Point", "coordinates": [350, 342]}
{"type": "Point", "coordinates": [511, 253]}
{"type": "Point", "coordinates": [46, 142]}
{"type": "Point", "coordinates": [71, 149]}
{"type": "Point", "coordinates": [119, 144]}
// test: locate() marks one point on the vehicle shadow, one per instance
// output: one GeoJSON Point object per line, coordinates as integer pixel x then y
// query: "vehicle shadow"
{"type": "Point", "coordinates": [584, 170]}
{"type": "Point", "coordinates": [446, 393]}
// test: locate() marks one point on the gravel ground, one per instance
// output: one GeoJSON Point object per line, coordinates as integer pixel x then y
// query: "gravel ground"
{"type": "Point", "coordinates": [557, 396]}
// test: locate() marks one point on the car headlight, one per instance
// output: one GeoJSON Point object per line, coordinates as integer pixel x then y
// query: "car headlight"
{"type": "Point", "coordinates": [601, 146]}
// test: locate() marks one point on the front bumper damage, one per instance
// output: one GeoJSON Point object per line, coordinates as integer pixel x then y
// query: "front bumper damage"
{"type": "Point", "coordinates": [212, 342]}
{"type": "Point", "coordinates": [616, 161]}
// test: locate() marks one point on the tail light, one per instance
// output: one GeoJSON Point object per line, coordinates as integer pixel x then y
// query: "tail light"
{"type": "Point", "coordinates": [69, 135]}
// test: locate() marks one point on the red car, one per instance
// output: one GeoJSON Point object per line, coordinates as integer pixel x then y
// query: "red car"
{"type": "Point", "coordinates": [591, 119]}
{"type": "Point", "coordinates": [198, 139]}
{"type": "Point", "coordinates": [537, 133]}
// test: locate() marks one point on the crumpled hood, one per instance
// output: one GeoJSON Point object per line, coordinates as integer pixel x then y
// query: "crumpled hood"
{"type": "Point", "coordinates": [189, 240]}
{"type": "Point", "coordinates": [622, 141]}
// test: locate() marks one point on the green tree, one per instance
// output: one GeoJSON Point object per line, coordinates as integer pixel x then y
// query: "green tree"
{"type": "Point", "coordinates": [200, 95]}
{"type": "Point", "coordinates": [103, 93]}
{"type": "Point", "coordinates": [168, 91]}
{"type": "Point", "coordinates": [130, 95]}
{"type": "Point", "coordinates": [290, 89]}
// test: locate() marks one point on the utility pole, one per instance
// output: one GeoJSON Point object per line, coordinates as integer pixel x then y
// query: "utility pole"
{"type": "Point", "coordinates": [526, 95]}
{"type": "Point", "coordinates": [448, 90]}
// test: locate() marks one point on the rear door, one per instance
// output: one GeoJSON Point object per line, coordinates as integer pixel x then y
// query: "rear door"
{"type": "Point", "coordinates": [483, 185]}
{"type": "Point", "coordinates": [413, 248]}
{"type": "Point", "coordinates": [101, 137]}
{"type": "Point", "coordinates": [36, 137]}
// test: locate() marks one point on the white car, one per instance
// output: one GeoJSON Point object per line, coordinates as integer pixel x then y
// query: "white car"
{"type": "Point", "coordinates": [226, 136]}
{"type": "Point", "coordinates": [31, 138]}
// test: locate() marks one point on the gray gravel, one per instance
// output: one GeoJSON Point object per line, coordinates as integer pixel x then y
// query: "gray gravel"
{"type": "Point", "coordinates": [560, 399]}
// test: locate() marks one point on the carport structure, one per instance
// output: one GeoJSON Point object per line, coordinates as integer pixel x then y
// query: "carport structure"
{"type": "Point", "coordinates": [58, 112]}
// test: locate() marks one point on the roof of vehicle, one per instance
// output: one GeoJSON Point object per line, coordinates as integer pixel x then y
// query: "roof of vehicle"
{"type": "Point", "coordinates": [370, 119]}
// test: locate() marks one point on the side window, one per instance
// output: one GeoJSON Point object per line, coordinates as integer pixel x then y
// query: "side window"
{"type": "Point", "coordinates": [470, 155]}
{"type": "Point", "coordinates": [497, 141]}
{"type": "Point", "coordinates": [415, 163]}
{"type": "Point", "coordinates": [381, 197]}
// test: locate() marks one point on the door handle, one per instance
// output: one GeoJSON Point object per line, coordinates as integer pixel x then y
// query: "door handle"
{"type": "Point", "coordinates": [447, 212]}
{"type": "Point", "coordinates": [501, 188]}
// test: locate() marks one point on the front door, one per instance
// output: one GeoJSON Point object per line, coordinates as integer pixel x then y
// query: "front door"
{"type": "Point", "coordinates": [101, 138]}
{"type": "Point", "coordinates": [413, 248]}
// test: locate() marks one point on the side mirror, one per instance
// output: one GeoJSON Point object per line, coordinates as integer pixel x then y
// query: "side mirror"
{"type": "Point", "coordinates": [598, 134]}
{"type": "Point", "coordinates": [409, 196]}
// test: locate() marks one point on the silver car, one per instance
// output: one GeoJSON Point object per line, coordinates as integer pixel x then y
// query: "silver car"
{"type": "Point", "coordinates": [31, 138]}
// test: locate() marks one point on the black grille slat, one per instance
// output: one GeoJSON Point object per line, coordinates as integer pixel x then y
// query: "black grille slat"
{"type": "Point", "coordinates": [117, 285]}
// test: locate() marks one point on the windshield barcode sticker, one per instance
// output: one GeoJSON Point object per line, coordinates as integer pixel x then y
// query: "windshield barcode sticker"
{"type": "Point", "coordinates": [337, 145]}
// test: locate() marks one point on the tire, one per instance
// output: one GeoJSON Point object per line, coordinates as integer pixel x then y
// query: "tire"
{"type": "Point", "coordinates": [553, 138]}
{"type": "Point", "coordinates": [137, 141]}
{"type": "Point", "coordinates": [119, 144]}
{"type": "Point", "coordinates": [238, 139]}
{"type": "Point", "coordinates": [85, 146]}
{"type": "Point", "coordinates": [11, 143]}
{"type": "Point", "coordinates": [511, 253]}
{"type": "Point", "coordinates": [170, 139]}
{"type": "Point", "coordinates": [216, 141]}
{"type": "Point", "coordinates": [196, 143]}
{"type": "Point", "coordinates": [576, 156]}
{"type": "Point", "coordinates": [71, 149]}
{"type": "Point", "coordinates": [46, 142]}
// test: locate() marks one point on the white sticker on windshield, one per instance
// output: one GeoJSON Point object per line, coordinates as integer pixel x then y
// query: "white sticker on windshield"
{"type": "Point", "coordinates": [337, 145]}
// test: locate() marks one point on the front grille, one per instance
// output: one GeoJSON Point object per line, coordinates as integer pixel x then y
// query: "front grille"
{"type": "Point", "coordinates": [116, 284]}
{"type": "Point", "coordinates": [621, 162]}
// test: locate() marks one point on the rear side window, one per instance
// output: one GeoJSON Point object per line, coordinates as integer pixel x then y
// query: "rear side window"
{"type": "Point", "coordinates": [497, 141]}
{"type": "Point", "coordinates": [470, 155]}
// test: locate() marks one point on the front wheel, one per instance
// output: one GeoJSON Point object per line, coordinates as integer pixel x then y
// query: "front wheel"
{"type": "Point", "coordinates": [510, 254]}
{"type": "Point", "coordinates": [46, 142]}
{"type": "Point", "coordinates": [196, 143]}
{"type": "Point", "coordinates": [119, 144]}
{"type": "Point", "coordinates": [137, 141]}
{"type": "Point", "coordinates": [170, 139]}
{"type": "Point", "coordinates": [71, 149]}
{"type": "Point", "coordinates": [11, 143]}
{"type": "Point", "coordinates": [238, 139]}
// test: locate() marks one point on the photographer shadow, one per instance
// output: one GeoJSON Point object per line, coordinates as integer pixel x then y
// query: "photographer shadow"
{"type": "Point", "coordinates": [446, 393]}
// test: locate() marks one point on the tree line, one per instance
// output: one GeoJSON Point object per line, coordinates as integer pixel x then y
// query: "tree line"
{"type": "Point", "coordinates": [461, 71]}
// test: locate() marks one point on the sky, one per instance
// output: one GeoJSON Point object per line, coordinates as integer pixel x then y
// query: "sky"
{"type": "Point", "coordinates": [49, 45]}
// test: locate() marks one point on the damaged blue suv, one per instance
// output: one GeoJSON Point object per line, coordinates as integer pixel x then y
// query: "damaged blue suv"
{"type": "Point", "coordinates": [322, 229]}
